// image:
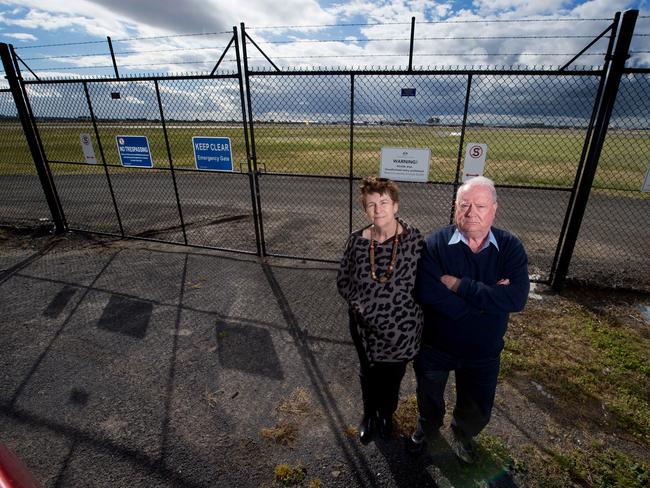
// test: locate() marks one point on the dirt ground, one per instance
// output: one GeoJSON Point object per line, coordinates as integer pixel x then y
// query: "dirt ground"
{"type": "Point", "coordinates": [125, 363]}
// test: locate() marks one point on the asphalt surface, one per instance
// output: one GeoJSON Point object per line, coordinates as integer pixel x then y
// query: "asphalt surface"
{"type": "Point", "coordinates": [132, 364]}
{"type": "Point", "coordinates": [309, 217]}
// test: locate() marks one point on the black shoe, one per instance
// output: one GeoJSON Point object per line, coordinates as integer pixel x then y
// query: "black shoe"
{"type": "Point", "coordinates": [385, 426]}
{"type": "Point", "coordinates": [464, 448]}
{"type": "Point", "coordinates": [367, 428]}
{"type": "Point", "coordinates": [415, 449]}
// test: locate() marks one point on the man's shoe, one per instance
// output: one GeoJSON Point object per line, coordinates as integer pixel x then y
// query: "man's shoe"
{"type": "Point", "coordinates": [464, 449]}
{"type": "Point", "coordinates": [367, 428]}
{"type": "Point", "coordinates": [415, 447]}
{"type": "Point", "coordinates": [385, 426]}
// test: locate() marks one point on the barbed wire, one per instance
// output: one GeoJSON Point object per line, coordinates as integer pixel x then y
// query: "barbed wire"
{"type": "Point", "coordinates": [284, 27]}
{"type": "Point", "coordinates": [171, 35]}
{"type": "Point", "coordinates": [350, 41]}
{"type": "Point", "coordinates": [122, 40]}
{"type": "Point", "coordinates": [123, 52]}
{"type": "Point", "coordinates": [446, 38]}
{"type": "Point", "coordinates": [424, 54]}
{"type": "Point", "coordinates": [51, 69]}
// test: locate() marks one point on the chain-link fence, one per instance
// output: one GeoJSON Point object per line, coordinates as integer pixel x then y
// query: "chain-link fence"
{"type": "Point", "coordinates": [22, 201]}
{"type": "Point", "coordinates": [534, 125]}
{"type": "Point", "coordinates": [173, 201]}
{"type": "Point", "coordinates": [302, 140]}
{"type": "Point", "coordinates": [613, 246]}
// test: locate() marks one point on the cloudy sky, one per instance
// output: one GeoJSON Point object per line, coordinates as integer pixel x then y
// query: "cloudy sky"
{"type": "Point", "coordinates": [68, 37]}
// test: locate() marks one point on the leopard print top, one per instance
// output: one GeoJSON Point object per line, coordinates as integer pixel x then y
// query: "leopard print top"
{"type": "Point", "coordinates": [392, 320]}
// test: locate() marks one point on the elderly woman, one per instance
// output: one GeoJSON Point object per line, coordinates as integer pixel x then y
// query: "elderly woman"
{"type": "Point", "coordinates": [376, 278]}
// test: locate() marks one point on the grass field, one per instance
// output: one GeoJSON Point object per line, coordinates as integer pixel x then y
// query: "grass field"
{"type": "Point", "coordinates": [545, 157]}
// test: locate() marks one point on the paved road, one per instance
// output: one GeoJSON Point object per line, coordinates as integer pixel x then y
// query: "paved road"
{"type": "Point", "coordinates": [309, 217]}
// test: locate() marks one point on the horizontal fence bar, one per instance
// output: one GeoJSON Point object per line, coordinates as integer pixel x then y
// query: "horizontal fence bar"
{"type": "Point", "coordinates": [150, 239]}
{"type": "Point", "coordinates": [594, 72]}
{"type": "Point", "coordinates": [433, 182]}
{"type": "Point", "coordinates": [234, 76]}
{"type": "Point", "coordinates": [158, 168]}
{"type": "Point", "coordinates": [643, 71]}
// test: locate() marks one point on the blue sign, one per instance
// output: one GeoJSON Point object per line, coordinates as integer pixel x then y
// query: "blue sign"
{"type": "Point", "coordinates": [212, 153]}
{"type": "Point", "coordinates": [408, 92]}
{"type": "Point", "coordinates": [134, 151]}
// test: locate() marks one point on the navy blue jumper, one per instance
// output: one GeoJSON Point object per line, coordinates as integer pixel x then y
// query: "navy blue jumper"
{"type": "Point", "coordinates": [463, 330]}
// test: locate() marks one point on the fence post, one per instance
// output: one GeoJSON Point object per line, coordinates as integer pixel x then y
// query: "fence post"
{"type": "Point", "coordinates": [463, 126]}
{"type": "Point", "coordinates": [253, 157]}
{"type": "Point", "coordinates": [605, 108]}
{"type": "Point", "coordinates": [351, 174]}
{"type": "Point", "coordinates": [30, 135]}
{"type": "Point", "coordinates": [411, 44]}
{"type": "Point", "coordinates": [251, 176]}
{"type": "Point", "coordinates": [110, 47]}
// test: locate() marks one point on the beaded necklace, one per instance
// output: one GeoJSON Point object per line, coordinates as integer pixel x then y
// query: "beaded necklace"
{"type": "Point", "coordinates": [393, 258]}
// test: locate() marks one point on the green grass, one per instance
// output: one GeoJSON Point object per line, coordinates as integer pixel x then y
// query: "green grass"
{"type": "Point", "coordinates": [596, 366]}
{"type": "Point", "coordinates": [546, 157]}
{"type": "Point", "coordinates": [589, 363]}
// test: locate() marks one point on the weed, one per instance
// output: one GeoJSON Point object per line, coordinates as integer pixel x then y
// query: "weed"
{"type": "Point", "coordinates": [288, 475]}
{"type": "Point", "coordinates": [406, 415]}
{"type": "Point", "coordinates": [351, 431]}
{"type": "Point", "coordinates": [284, 434]}
{"type": "Point", "coordinates": [299, 402]}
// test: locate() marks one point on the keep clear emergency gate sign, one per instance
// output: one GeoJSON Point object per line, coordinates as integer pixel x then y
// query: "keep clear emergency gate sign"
{"type": "Point", "coordinates": [134, 151]}
{"type": "Point", "coordinates": [212, 153]}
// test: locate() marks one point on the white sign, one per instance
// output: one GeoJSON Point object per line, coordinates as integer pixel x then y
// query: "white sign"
{"type": "Point", "coordinates": [405, 163]}
{"type": "Point", "coordinates": [474, 160]}
{"type": "Point", "coordinates": [646, 183]}
{"type": "Point", "coordinates": [87, 148]}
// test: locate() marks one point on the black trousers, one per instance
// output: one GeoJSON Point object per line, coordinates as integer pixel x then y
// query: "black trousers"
{"type": "Point", "coordinates": [380, 381]}
{"type": "Point", "coordinates": [476, 382]}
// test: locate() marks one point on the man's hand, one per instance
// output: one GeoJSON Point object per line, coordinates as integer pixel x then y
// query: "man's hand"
{"type": "Point", "coordinates": [504, 281]}
{"type": "Point", "coordinates": [451, 282]}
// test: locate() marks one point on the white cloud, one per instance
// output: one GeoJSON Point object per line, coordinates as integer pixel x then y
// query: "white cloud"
{"type": "Point", "coordinates": [21, 36]}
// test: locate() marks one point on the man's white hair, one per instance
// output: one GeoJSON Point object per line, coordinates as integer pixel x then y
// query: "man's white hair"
{"type": "Point", "coordinates": [477, 181]}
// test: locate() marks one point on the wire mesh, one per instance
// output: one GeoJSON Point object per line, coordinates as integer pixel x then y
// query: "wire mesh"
{"type": "Point", "coordinates": [535, 128]}
{"type": "Point", "coordinates": [613, 243]}
{"type": "Point", "coordinates": [22, 200]}
{"type": "Point", "coordinates": [217, 206]}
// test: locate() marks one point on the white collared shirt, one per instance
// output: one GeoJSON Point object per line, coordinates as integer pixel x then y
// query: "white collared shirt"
{"type": "Point", "coordinates": [458, 236]}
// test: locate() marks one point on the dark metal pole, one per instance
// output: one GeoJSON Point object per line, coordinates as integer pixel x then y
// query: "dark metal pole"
{"type": "Point", "coordinates": [17, 61]}
{"type": "Point", "coordinates": [351, 176]}
{"type": "Point", "coordinates": [621, 54]}
{"type": "Point", "coordinates": [101, 153]}
{"type": "Point", "coordinates": [251, 178]}
{"type": "Point", "coordinates": [110, 46]}
{"type": "Point", "coordinates": [34, 148]}
{"type": "Point", "coordinates": [585, 146]}
{"type": "Point", "coordinates": [32, 119]}
{"type": "Point", "coordinates": [460, 147]}
{"type": "Point", "coordinates": [412, 42]}
{"type": "Point", "coordinates": [214, 70]}
{"type": "Point", "coordinates": [256, 172]}
{"type": "Point", "coordinates": [171, 163]}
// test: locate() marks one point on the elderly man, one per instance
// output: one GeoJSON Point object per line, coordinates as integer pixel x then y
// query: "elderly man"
{"type": "Point", "coordinates": [470, 277]}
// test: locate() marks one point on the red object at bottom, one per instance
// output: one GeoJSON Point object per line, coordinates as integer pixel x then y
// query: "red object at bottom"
{"type": "Point", "coordinates": [13, 473]}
